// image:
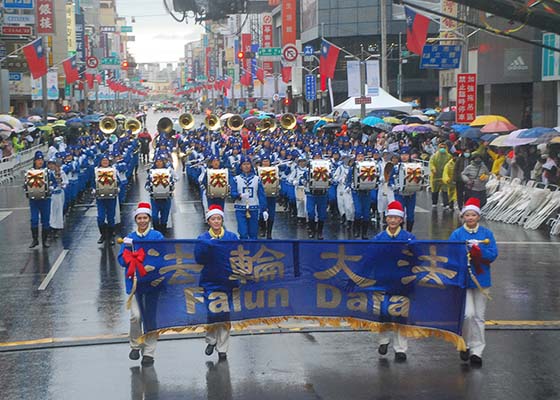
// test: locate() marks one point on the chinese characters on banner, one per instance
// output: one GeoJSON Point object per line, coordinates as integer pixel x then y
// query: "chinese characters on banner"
{"type": "Point", "coordinates": [288, 22]}
{"type": "Point", "coordinates": [448, 26]}
{"type": "Point", "coordinates": [45, 17]}
{"type": "Point", "coordinates": [246, 39]}
{"type": "Point", "coordinates": [466, 98]}
{"type": "Point", "coordinates": [267, 40]}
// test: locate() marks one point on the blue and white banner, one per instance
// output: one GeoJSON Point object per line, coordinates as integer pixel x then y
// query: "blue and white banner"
{"type": "Point", "coordinates": [417, 287]}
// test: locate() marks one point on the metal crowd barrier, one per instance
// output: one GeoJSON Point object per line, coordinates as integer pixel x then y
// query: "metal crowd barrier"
{"type": "Point", "coordinates": [529, 204]}
{"type": "Point", "coordinates": [10, 166]}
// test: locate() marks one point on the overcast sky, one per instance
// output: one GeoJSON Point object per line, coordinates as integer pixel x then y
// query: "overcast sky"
{"type": "Point", "coordinates": [159, 38]}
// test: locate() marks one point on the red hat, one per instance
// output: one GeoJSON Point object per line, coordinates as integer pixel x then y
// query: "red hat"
{"type": "Point", "coordinates": [395, 209]}
{"type": "Point", "coordinates": [143, 208]}
{"type": "Point", "coordinates": [214, 209]}
{"type": "Point", "coordinates": [472, 204]}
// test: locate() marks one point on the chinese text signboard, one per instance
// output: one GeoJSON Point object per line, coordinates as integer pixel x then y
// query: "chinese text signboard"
{"type": "Point", "coordinates": [45, 17]}
{"type": "Point", "coordinates": [466, 98]}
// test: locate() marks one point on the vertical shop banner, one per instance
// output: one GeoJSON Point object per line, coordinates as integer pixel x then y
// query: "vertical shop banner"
{"type": "Point", "coordinates": [246, 39]}
{"type": "Point", "coordinates": [466, 98]}
{"type": "Point", "coordinates": [45, 17]}
{"type": "Point", "coordinates": [71, 28]}
{"type": "Point", "coordinates": [80, 38]}
{"type": "Point", "coordinates": [267, 40]}
{"type": "Point", "coordinates": [288, 22]}
{"type": "Point", "coordinates": [353, 78]}
{"type": "Point", "coordinates": [52, 87]}
{"type": "Point", "coordinates": [372, 72]}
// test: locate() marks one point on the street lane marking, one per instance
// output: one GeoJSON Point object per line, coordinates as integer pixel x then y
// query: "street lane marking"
{"type": "Point", "coordinates": [51, 273]}
{"type": "Point", "coordinates": [420, 210]}
{"type": "Point", "coordinates": [4, 214]}
{"type": "Point", "coordinates": [14, 209]}
{"type": "Point", "coordinates": [255, 330]}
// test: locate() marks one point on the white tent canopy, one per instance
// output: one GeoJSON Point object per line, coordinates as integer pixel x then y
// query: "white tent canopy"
{"type": "Point", "coordinates": [382, 102]}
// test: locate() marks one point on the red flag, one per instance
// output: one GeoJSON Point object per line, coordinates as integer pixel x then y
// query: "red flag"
{"type": "Point", "coordinates": [36, 58]}
{"type": "Point", "coordinates": [89, 79]}
{"type": "Point", "coordinates": [71, 70]}
{"type": "Point", "coordinates": [416, 30]}
{"type": "Point", "coordinates": [327, 62]}
{"type": "Point", "coordinates": [260, 75]}
{"type": "Point", "coordinates": [286, 74]}
{"type": "Point", "coordinates": [98, 78]}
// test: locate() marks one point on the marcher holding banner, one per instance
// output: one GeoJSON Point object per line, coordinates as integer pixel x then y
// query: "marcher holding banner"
{"type": "Point", "coordinates": [132, 261]}
{"type": "Point", "coordinates": [482, 252]}
{"type": "Point", "coordinates": [212, 278]}
{"type": "Point", "coordinates": [394, 219]}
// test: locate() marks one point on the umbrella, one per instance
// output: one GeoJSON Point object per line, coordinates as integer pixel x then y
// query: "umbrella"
{"type": "Point", "coordinates": [430, 112]}
{"type": "Point", "coordinates": [470, 133]}
{"type": "Point", "coordinates": [447, 116]}
{"type": "Point", "coordinates": [498, 126]}
{"type": "Point", "coordinates": [88, 119]}
{"type": "Point", "coordinates": [371, 121]}
{"type": "Point", "coordinates": [459, 128]}
{"type": "Point", "coordinates": [225, 116]}
{"type": "Point", "coordinates": [34, 118]}
{"type": "Point", "coordinates": [51, 119]}
{"type": "Point", "coordinates": [418, 129]}
{"type": "Point", "coordinates": [332, 125]}
{"type": "Point", "coordinates": [555, 140]}
{"type": "Point", "coordinates": [488, 137]}
{"type": "Point", "coordinates": [251, 120]}
{"type": "Point", "coordinates": [535, 132]}
{"type": "Point", "coordinates": [383, 126]}
{"type": "Point", "coordinates": [547, 137]}
{"type": "Point", "coordinates": [318, 125]}
{"type": "Point", "coordinates": [59, 123]}
{"type": "Point", "coordinates": [416, 119]}
{"type": "Point", "coordinates": [11, 121]}
{"type": "Point", "coordinates": [400, 128]}
{"type": "Point", "coordinates": [74, 120]}
{"type": "Point", "coordinates": [482, 120]}
{"type": "Point", "coordinates": [392, 120]}
{"type": "Point", "coordinates": [416, 112]}
{"type": "Point", "coordinates": [512, 140]}
{"type": "Point", "coordinates": [311, 118]}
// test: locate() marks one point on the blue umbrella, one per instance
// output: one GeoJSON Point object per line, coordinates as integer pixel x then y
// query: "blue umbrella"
{"type": "Point", "coordinates": [459, 128]}
{"type": "Point", "coordinates": [534, 132]}
{"type": "Point", "coordinates": [489, 137]}
{"type": "Point", "coordinates": [471, 133]}
{"type": "Point", "coordinates": [430, 111]}
{"type": "Point", "coordinates": [92, 118]}
{"type": "Point", "coordinates": [318, 124]}
{"type": "Point", "coordinates": [75, 120]}
{"type": "Point", "coordinates": [371, 121]}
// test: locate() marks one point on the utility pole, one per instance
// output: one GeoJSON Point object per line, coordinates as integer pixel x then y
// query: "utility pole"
{"type": "Point", "coordinates": [44, 88]}
{"type": "Point", "coordinates": [400, 78]}
{"type": "Point", "coordinates": [383, 14]}
{"type": "Point", "coordinates": [362, 82]}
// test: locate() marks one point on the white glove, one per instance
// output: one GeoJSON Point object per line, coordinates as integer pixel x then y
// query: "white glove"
{"type": "Point", "coordinates": [245, 196]}
{"type": "Point", "coordinates": [127, 241]}
{"type": "Point", "coordinates": [472, 242]}
{"type": "Point", "coordinates": [265, 215]}
{"type": "Point", "coordinates": [348, 190]}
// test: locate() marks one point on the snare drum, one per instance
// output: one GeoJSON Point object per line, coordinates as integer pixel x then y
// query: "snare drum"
{"type": "Point", "coordinates": [270, 180]}
{"type": "Point", "coordinates": [365, 175]}
{"type": "Point", "coordinates": [411, 178]}
{"type": "Point", "coordinates": [319, 175]}
{"type": "Point", "coordinates": [37, 184]}
{"type": "Point", "coordinates": [217, 183]}
{"type": "Point", "coordinates": [160, 179]}
{"type": "Point", "coordinates": [106, 185]}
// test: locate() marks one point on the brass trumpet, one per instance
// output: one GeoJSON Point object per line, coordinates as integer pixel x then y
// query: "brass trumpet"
{"type": "Point", "coordinates": [267, 124]}
{"type": "Point", "coordinates": [235, 122]}
{"type": "Point", "coordinates": [288, 121]}
{"type": "Point", "coordinates": [186, 121]}
{"type": "Point", "coordinates": [133, 125]}
{"type": "Point", "coordinates": [108, 125]}
{"type": "Point", "coordinates": [212, 122]}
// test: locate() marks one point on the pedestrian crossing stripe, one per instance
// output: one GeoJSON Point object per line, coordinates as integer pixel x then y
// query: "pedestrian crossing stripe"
{"type": "Point", "coordinates": [4, 215]}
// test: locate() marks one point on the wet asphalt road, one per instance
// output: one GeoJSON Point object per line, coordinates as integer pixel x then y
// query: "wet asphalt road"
{"type": "Point", "coordinates": [82, 307]}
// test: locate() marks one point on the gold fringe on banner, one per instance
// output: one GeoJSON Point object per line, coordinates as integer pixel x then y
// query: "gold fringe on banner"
{"type": "Point", "coordinates": [415, 332]}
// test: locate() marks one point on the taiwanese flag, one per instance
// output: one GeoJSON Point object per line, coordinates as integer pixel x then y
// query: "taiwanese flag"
{"type": "Point", "coordinates": [71, 70]}
{"type": "Point", "coordinates": [327, 62]}
{"type": "Point", "coordinates": [36, 58]}
{"type": "Point", "coordinates": [416, 31]}
{"type": "Point", "coordinates": [89, 79]}
{"type": "Point", "coordinates": [260, 75]}
{"type": "Point", "coordinates": [286, 74]}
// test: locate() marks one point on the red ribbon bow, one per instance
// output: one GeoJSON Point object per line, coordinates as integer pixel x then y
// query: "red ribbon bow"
{"type": "Point", "coordinates": [134, 260]}
{"type": "Point", "coordinates": [476, 256]}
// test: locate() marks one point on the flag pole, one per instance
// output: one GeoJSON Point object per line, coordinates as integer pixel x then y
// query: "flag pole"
{"type": "Point", "coordinates": [44, 88]}
{"type": "Point", "coordinates": [15, 51]}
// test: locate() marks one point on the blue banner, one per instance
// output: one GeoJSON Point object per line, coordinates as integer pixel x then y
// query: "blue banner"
{"type": "Point", "coordinates": [417, 287]}
{"type": "Point", "coordinates": [436, 56]}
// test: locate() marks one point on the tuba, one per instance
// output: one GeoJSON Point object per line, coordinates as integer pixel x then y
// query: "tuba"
{"type": "Point", "coordinates": [186, 121]}
{"type": "Point", "coordinates": [235, 122]}
{"type": "Point", "coordinates": [288, 121]}
{"type": "Point", "coordinates": [267, 124]}
{"type": "Point", "coordinates": [133, 125]}
{"type": "Point", "coordinates": [212, 122]}
{"type": "Point", "coordinates": [165, 125]}
{"type": "Point", "coordinates": [108, 125]}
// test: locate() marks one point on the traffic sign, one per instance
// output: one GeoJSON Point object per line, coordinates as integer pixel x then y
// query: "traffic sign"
{"type": "Point", "coordinates": [362, 100]}
{"type": "Point", "coordinates": [9, 30]}
{"type": "Point", "coordinates": [110, 61]}
{"type": "Point", "coordinates": [92, 62]}
{"type": "Point", "coordinates": [310, 87]}
{"type": "Point", "coordinates": [15, 76]}
{"type": "Point", "coordinates": [275, 97]}
{"type": "Point", "coordinates": [18, 4]}
{"type": "Point", "coordinates": [290, 52]}
{"type": "Point", "coordinates": [308, 51]}
{"type": "Point", "coordinates": [126, 29]}
{"type": "Point", "coordinates": [435, 56]}
{"type": "Point", "coordinates": [270, 52]}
